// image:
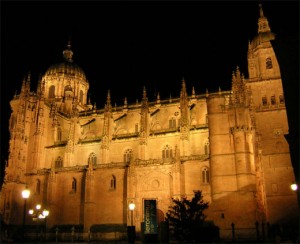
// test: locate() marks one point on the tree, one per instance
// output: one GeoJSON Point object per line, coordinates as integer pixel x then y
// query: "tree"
{"type": "Point", "coordinates": [186, 216]}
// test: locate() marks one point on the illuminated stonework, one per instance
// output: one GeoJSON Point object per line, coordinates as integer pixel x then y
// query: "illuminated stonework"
{"type": "Point", "coordinates": [87, 164]}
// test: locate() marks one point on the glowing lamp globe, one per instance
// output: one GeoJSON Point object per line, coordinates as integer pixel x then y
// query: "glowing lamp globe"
{"type": "Point", "coordinates": [294, 187]}
{"type": "Point", "coordinates": [25, 194]}
{"type": "Point", "coordinates": [131, 206]}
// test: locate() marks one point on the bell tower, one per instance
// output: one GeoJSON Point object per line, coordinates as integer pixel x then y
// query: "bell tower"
{"type": "Point", "coordinates": [272, 150]}
{"type": "Point", "coordinates": [262, 61]}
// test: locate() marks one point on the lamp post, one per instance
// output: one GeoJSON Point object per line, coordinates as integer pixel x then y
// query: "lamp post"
{"type": "Point", "coordinates": [131, 207]}
{"type": "Point", "coordinates": [25, 196]}
{"type": "Point", "coordinates": [131, 229]}
{"type": "Point", "coordinates": [39, 215]}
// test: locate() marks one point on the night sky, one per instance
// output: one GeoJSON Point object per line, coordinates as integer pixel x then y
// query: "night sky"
{"type": "Point", "coordinates": [123, 46]}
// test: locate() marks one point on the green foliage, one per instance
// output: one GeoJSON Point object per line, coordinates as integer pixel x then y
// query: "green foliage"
{"type": "Point", "coordinates": [186, 216]}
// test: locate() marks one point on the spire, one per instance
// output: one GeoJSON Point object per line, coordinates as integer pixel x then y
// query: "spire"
{"type": "Point", "coordinates": [68, 53]}
{"type": "Point", "coordinates": [23, 85]}
{"type": "Point", "coordinates": [238, 87]}
{"type": "Point", "coordinates": [108, 102]}
{"type": "Point", "coordinates": [28, 77]}
{"type": "Point", "coordinates": [27, 82]}
{"type": "Point", "coordinates": [39, 86]}
{"type": "Point", "coordinates": [183, 93]}
{"type": "Point", "coordinates": [144, 93]}
{"type": "Point", "coordinates": [193, 92]}
{"type": "Point", "coordinates": [158, 98]}
{"type": "Point", "coordinates": [144, 114]}
{"type": "Point", "coordinates": [261, 12]}
{"type": "Point", "coordinates": [144, 99]}
{"type": "Point", "coordinates": [263, 24]}
{"type": "Point", "coordinates": [125, 102]}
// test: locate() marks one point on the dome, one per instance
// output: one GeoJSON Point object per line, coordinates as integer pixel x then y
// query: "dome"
{"type": "Point", "coordinates": [67, 67]}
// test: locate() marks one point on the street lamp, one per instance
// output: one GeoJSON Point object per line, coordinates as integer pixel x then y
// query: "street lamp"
{"type": "Point", "coordinates": [39, 215]}
{"type": "Point", "coordinates": [131, 229]}
{"type": "Point", "coordinates": [25, 196]}
{"type": "Point", "coordinates": [131, 207]}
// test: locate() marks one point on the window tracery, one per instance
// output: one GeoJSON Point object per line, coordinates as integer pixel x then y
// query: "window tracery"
{"type": "Point", "coordinates": [59, 162]}
{"type": "Point", "coordinates": [74, 185]}
{"type": "Point", "coordinates": [113, 182]}
{"type": "Point", "coordinates": [205, 175]}
{"type": "Point", "coordinates": [127, 155]}
{"type": "Point", "coordinates": [167, 152]}
{"type": "Point", "coordinates": [269, 63]}
{"type": "Point", "coordinates": [92, 159]}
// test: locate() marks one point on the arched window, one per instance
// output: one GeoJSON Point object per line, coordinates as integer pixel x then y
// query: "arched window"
{"type": "Point", "coordinates": [205, 175]}
{"type": "Point", "coordinates": [81, 96]}
{"type": "Point", "coordinates": [269, 63]}
{"type": "Point", "coordinates": [93, 159]}
{"type": "Point", "coordinates": [273, 100]}
{"type": "Point", "coordinates": [206, 148]}
{"type": "Point", "coordinates": [281, 99]}
{"type": "Point", "coordinates": [113, 182]}
{"type": "Point", "coordinates": [127, 155]}
{"type": "Point", "coordinates": [167, 152]}
{"type": "Point", "coordinates": [172, 123]}
{"type": "Point", "coordinates": [58, 162]}
{"type": "Point", "coordinates": [51, 92]}
{"type": "Point", "coordinates": [74, 185]}
{"type": "Point", "coordinates": [38, 187]}
{"type": "Point", "coordinates": [58, 134]}
{"type": "Point", "coordinates": [264, 101]}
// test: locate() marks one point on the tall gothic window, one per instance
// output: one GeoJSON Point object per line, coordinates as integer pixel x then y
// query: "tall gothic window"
{"type": "Point", "coordinates": [51, 92]}
{"type": "Point", "coordinates": [74, 185]}
{"type": "Point", "coordinates": [206, 148]}
{"type": "Point", "coordinates": [172, 123]}
{"type": "Point", "coordinates": [136, 127]}
{"type": "Point", "coordinates": [58, 134]}
{"type": "Point", "coordinates": [167, 152]}
{"type": "Point", "coordinates": [58, 162]}
{"type": "Point", "coordinates": [205, 175]}
{"type": "Point", "coordinates": [92, 159]}
{"type": "Point", "coordinates": [38, 187]}
{"type": "Point", "coordinates": [113, 182]}
{"type": "Point", "coordinates": [127, 155]}
{"type": "Point", "coordinates": [269, 63]}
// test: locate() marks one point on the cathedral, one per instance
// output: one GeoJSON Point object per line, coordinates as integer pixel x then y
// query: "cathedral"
{"type": "Point", "coordinates": [87, 164]}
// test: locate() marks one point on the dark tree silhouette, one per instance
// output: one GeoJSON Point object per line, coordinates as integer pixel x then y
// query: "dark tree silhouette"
{"type": "Point", "coordinates": [186, 216]}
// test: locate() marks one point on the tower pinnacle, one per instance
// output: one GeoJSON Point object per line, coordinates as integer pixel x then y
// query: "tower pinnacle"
{"type": "Point", "coordinates": [263, 24]}
{"type": "Point", "coordinates": [68, 53]}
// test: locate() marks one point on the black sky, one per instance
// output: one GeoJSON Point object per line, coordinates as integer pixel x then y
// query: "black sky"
{"type": "Point", "coordinates": [123, 46]}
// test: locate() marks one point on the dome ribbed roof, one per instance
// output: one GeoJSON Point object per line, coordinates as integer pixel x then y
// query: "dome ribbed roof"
{"type": "Point", "coordinates": [67, 67]}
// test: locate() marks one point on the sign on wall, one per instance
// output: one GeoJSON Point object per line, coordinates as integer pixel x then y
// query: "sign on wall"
{"type": "Point", "coordinates": [150, 220]}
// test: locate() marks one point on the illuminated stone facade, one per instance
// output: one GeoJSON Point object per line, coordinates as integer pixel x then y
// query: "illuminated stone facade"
{"type": "Point", "coordinates": [87, 164]}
